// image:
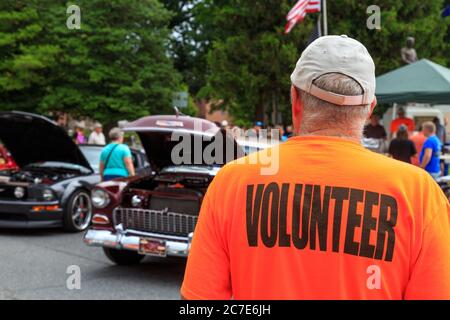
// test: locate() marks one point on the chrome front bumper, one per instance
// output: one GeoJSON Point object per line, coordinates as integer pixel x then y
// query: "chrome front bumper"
{"type": "Point", "coordinates": [129, 240]}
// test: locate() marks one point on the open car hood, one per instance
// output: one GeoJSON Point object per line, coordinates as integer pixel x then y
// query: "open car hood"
{"type": "Point", "coordinates": [182, 140]}
{"type": "Point", "coordinates": [32, 138]}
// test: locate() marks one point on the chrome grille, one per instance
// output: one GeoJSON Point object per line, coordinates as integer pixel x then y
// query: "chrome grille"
{"type": "Point", "coordinates": [154, 221]}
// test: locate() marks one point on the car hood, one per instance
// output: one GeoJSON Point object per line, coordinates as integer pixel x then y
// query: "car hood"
{"type": "Point", "coordinates": [170, 140]}
{"type": "Point", "coordinates": [32, 138]}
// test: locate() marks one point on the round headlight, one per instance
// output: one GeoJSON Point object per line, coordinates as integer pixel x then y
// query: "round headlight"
{"type": "Point", "coordinates": [48, 195]}
{"type": "Point", "coordinates": [100, 199]}
{"type": "Point", "coordinates": [136, 201]}
{"type": "Point", "coordinates": [19, 192]}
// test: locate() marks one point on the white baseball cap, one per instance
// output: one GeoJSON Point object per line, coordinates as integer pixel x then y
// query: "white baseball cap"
{"type": "Point", "coordinates": [336, 54]}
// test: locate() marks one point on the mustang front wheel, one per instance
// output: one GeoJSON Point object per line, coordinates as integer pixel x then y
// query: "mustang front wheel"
{"type": "Point", "coordinates": [78, 212]}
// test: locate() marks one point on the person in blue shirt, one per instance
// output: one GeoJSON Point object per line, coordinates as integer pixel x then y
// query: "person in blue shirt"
{"type": "Point", "coordinates": [116, 160]}
{"type": "Point", "coordinates": [282, 136]}
{"type": "Point", "coordinates": [431, 151]}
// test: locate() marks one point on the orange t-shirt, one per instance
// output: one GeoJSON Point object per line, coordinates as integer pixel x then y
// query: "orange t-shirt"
{"type": "Point", "coordinates": [335, 222]}
{"type": "Point", "coordinates": [409, 123]}
{"type": "Point", "coordinates": [418, 140]}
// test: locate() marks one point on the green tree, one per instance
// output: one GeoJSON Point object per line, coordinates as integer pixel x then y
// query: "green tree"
{"type": "Point", "coordinates": [251, 59]}
{"type": "Point", "coordinates": [399, 19]}
{"type": "Point", "coordinates": [116, 66]}
{"type": "Point", "coordinates": [26, 62]}
{"type": "Point", "coordinates": [188, 43]}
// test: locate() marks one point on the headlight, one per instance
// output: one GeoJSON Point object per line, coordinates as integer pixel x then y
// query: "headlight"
{"type": "Point", "coordinates": [48, 195]}
{"type": "Point", "coordinates": [100, 199]}
{"type": "Point", "coordinates": [136, 201]}
{"type": "Point", "coordinates": [19, 192]}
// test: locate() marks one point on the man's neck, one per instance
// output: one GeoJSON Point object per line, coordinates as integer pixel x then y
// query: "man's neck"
{"type": "Point", "coordinates": [332, 133]}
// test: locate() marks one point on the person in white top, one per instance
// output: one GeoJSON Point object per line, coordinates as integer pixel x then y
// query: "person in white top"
{"type": "Point", "coordinates": [97, 137]}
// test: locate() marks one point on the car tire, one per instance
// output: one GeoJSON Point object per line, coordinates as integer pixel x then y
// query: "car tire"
{"type": "Point", "coordinates": [79, 204]}
{"type": "Point", "coordinates": [123, 257]}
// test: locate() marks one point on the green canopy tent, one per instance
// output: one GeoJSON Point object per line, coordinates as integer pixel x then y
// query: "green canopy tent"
{"type": "Point", "coordinates": [421, 82]}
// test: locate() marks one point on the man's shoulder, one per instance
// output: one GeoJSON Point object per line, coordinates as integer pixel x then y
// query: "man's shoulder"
{"type": "Point", "coordinates": [238, 166]}
{"type": "Point", "coordinates": [251, 165]}
{"type": "Point", "coordinates": [248, 166]}
{"type": "Point", "coordinates": [430, 141]}
{"type": "Point", "coordinates": [396, 122]}
{"type": "Point", "coordinates": [436, 142]}
{"type": "Point", "coordinates": [395, 168]}
{"type": "Point", "coordinates": [418, 137]}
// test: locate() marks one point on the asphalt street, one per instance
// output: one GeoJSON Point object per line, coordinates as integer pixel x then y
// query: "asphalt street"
{"type": "Point", "coordinates": [34, 265]}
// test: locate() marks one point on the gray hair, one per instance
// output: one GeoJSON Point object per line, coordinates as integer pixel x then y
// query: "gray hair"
{"type": "Point", "coordinates": [344, 121]}
{"type": "Point", "coordinates": [115, 134]}
{"type": "Point", "coordinates": [429, 126]}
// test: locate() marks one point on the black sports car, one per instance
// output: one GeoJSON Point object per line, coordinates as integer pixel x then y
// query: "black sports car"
{"type": "Point", "coordinates": [52, 186]}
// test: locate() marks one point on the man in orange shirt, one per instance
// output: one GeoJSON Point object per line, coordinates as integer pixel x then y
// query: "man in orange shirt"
{"type": "Point", "coordinates": [402, 120]}
{"type": "Point", "coordinates": [336, 221]}
{"type": "Point", "coordinates": [418, 139]}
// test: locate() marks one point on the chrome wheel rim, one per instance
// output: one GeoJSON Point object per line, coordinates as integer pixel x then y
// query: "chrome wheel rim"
{"type": "Point", "coordinates": [81, 211]}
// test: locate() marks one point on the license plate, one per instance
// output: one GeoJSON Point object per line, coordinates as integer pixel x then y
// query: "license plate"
{"type": "Point", "coordinates": [152, 247]}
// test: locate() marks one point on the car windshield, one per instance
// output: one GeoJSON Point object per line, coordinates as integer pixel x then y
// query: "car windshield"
{"type": "Point", "coordinates": [92, 155]}
{"type": "Point", "coordinates": [58, 165]}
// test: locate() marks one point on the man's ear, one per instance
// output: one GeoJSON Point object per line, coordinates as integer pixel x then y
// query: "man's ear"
{"type": "Point", "coordinates": [297, 109]}
{"type": "Point", "coordinates": [295, 99]}
{"type": "Point", "coordinates": [373, 106]}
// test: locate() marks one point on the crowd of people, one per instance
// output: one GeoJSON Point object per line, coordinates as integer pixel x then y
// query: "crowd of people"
{"type": "Point", "coordinates": [422, 148]}
{"type": "Point", "coordinates": [116, 159]}
{"type": "Point", "coordinates": [96, 137]}
{"type": "Point", "coordinates": [277, 132]}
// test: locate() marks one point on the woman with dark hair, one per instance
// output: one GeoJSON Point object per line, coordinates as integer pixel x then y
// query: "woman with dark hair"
{"type": "Point", "coordinates": [401, 148]}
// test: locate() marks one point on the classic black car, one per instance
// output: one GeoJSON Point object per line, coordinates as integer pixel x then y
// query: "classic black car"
{"type": "Point", "coordinates": [156, 214]}
{"type": "Point", "coordinates": [52, 186]}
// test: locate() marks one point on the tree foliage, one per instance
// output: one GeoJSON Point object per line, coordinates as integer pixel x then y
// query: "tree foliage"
{"type": "Point", "coordinates": [116, 66]}
{"type": "Point", "coordinates": [420, 19]}
{"type": "Point", "coordinates": [131, 55]}
{"type": "Point", "coordinates": [189, 43]}
{"type": "Point", "coordinates": [251, 59]}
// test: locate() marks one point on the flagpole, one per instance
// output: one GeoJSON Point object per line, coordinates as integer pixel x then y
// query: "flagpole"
{"type": "Point", "coordinates": [319, 25]}
{"type": "Point", "coordinates": [325, 18]}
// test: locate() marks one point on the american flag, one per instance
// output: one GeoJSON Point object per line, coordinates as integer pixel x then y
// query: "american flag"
{"type": "Point", "coordinates": [299, 11]}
